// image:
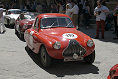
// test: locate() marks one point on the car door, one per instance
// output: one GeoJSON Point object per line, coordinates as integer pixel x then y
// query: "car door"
{"type": "Point", "coordinates": [36, 41]}
{"type": "Point", "coordinates": [33, 40]}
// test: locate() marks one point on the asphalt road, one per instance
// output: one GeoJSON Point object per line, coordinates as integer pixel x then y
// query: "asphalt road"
{"type": "Point", "coordinates": [17, 63]}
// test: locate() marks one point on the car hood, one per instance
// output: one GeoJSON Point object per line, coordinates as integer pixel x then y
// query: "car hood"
{"type": "Point", "coordinates": [15, 16]}
{"type": "Point", "coordinates": [65, 34]}
{"type": "Point", "coordinates": [27, 21]}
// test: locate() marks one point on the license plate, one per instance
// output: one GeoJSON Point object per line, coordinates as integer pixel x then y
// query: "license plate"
{"type": "Point", "coordinates": [72, 59]}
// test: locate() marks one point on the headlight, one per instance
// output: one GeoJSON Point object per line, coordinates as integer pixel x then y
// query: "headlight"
{"type": "Point", "coordinates": [90, 43]}
{"type": "Point", "coordinates": [57, 45]}
{"type": "Point", "coordinates": [25, 26]}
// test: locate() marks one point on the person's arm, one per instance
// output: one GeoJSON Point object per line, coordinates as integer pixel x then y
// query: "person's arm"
{"type": "Point", "coordinates": [95, 12]}
{"type": "Point", "coordinates": [105, 10]}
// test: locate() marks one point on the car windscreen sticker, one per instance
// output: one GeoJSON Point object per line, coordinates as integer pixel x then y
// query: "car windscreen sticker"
{"type": "Point", "coordinates": [69, 35]}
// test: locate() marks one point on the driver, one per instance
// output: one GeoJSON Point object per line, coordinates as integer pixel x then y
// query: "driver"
{"type": "Point", "coordinates": [22, 16]}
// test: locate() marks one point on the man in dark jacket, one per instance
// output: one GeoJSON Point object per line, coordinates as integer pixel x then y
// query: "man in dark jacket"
{"type": "Point", "coordinates": [116, 21]}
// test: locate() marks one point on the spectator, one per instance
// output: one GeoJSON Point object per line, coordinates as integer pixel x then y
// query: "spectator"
{"type": "Point", "coordinates": [1, 4]}
{"type": "Point", "coordinates": [53, 8]}
{"type": "Point", "coordinates": [14, 6]}
{"type": "Point", "coordinates": [28, 5]}
{"type": "Point", "coordinates": [68, 12]}
{"type": "Point", "coordinates": [100, 13]}
{"type": "Point", "coordinates": [2, 27]}
{"type": "Point", "coordinates": [115, 21]}
{"type": "Point", "coordinates": [69, 4]}
{"type": "Point", "coordinates": [60, 7]}
{"type": "Point", "coordinates": [86, 14]}
{"type": "Point", "coordinates": [34, 6]}
{"type": "Point", "coordinates": [75, 11]}
{"type": "Point", "coordinates": [39, 8]}
{"type": "Point", "coordinates": [7, 6]}
{"type": "Point", "coordinates": [44, 7]}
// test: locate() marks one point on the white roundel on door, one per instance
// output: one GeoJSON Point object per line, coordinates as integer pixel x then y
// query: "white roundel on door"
{"type": "Point", "coordinates": [69, 36]}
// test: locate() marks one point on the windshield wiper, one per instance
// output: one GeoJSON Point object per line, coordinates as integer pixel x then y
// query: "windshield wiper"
{"type": "Point", "coordinates": [49, 27]}
{"type": "Point", "coordinates": [69, 24]}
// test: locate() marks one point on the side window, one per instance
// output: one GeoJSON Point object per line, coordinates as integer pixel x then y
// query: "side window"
{"type": "Point", "coordinates": [36, 25]}
{"type": "Point", "coordinates": [9, 12]}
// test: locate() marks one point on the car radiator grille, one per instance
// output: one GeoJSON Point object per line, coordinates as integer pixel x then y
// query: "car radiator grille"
{"type": "Point", "coordinates": [74, 47]}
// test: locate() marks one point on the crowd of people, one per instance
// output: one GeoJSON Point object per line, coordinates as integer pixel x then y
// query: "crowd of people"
{"type": "Point", "coordinates": [73, 9]}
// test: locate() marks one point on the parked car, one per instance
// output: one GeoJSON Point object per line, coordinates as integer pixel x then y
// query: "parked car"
{"type": "Point", "coordinates": [113, 73]}
{"type": "Point", "coordinates": [53, 36]}
{"type": "Point", "coordinates": [23, 22]}
{"type": "Point", "coordinates": [11, 16]}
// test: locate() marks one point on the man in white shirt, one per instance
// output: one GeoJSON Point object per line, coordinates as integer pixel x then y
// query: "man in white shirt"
{"type": "Point", "coordinates": [100, 13]}
{"type": "Point", "coordinates": [75, 11]}
{"type": "Point", "coordinates": [68, 3]}
{"type": "Point", "coordinates": [2, 27]}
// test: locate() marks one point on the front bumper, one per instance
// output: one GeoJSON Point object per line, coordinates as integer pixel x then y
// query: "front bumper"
{"type": "Point", "coordinates": [73, 47]}
{"type": "Point", "coordinates": [9, 21]}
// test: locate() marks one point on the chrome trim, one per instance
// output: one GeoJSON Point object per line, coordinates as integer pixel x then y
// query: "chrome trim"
{"type": "Point", "coordinates": [74, 47]}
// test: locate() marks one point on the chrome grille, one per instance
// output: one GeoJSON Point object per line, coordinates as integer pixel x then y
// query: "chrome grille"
{"type": "Point", "coordinates": [74, 47]}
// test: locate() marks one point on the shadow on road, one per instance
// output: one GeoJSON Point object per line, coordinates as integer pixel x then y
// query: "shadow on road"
{"type": "Point", "coordinates": [21, 39]}
{"type": "Point", "coordinates": [9, 27]}
{"type": "Point", "coordinates": [92, 32]}
{"type": "Point", "coordinates": [61, 69]}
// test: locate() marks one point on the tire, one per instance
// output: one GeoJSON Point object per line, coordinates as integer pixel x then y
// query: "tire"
{"type": "Point", "coordinates": [16, 32]}
{"type": "Point", "coordinates": [90, 58]}
{"type": "Point", "coordinates": [21, 35]}
{"type": "Point", "coordinates": [44, 57]}
{"type": "Point", "coordinates": [28, 49]}
{"type": "Point", "coordinates": [6, 25]}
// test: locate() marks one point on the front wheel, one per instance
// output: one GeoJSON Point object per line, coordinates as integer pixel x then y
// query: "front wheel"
{"type": "Point", "coordinates": [21, 36]}
{"type": "Point", "coordinates": [90, 58]}
{"type": "Point", "coordinates": [16, 32]}
{"type": "Point", "coordinates": [44, 57]}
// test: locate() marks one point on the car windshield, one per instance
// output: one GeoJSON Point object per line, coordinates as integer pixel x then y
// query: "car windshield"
{"type": "Point", "coordinates": [29, 16]}
{"type": "Point", "coordinates": [15, 12]}
{"type": "Point", "coordinates": [32, 16]}
{"type": "Point", "coordinates": [56, 22]}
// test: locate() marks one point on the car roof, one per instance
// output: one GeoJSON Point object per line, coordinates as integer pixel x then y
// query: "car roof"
{"type": "Point", "coordinates": [46, 15]}
{"type": "Point", "coordinates": [14, 10]}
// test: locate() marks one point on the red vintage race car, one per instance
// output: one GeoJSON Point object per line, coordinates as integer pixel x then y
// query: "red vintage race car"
{"type": "Point", "coordinates": [54, 36]}
{"type": "Point", "coordinates": [113, 73]}
{"type": "Point", "coordinates": [23, 22]}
